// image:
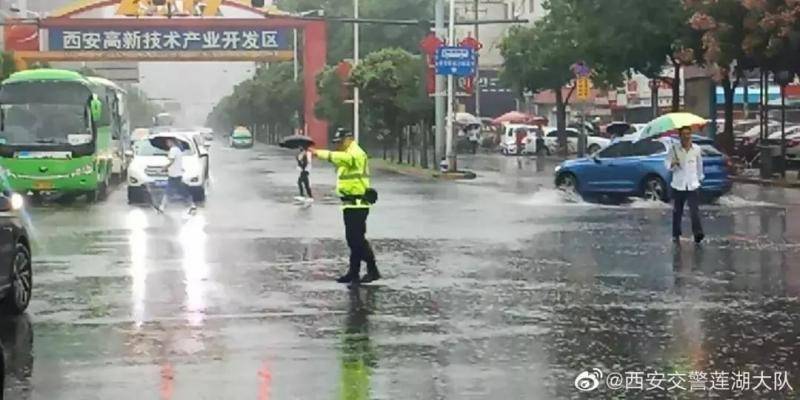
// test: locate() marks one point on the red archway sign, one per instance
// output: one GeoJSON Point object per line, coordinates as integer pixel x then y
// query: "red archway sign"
{"type": "Point", "coordinates": [475, 44]}
{"type": "Point", "coordinates": [429, 45]}
{"type": "Point", "coordinates": [72, 37]}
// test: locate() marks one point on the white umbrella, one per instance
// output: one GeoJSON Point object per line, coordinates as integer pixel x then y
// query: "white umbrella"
{"type": "Point", "coordinates": [464, 118]}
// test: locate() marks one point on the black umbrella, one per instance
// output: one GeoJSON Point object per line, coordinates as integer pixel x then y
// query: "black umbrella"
{"type": "Point", "coordinates": [160, 142]}
{"type": "Point", "coordinates": [296, 141]}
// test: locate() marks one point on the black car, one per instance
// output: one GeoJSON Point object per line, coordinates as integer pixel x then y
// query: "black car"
{"type": "Point", "coordinates": [16, 274]}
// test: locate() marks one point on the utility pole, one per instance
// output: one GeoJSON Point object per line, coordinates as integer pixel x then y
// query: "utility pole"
{"type": "Point", "coordinates": [439, 90]}
{"type": "Point", "coordinates": [451, 41]}
{"type": "Point", "coordinates": [356, 94]}
{"type": "Point", "coordinates": [476, 86]}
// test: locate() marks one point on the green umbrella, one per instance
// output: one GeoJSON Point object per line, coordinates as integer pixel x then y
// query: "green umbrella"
{"type": "Point", "coordinates": [669, 123]}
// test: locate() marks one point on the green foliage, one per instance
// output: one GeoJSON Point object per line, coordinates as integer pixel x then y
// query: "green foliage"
{"type": "Point", "coordinates": [539, 57]}
{"type": "Point", "coordinates": [373, 36]}
{"type": "Point", "coordinates": [390, 82]}
{"type": "Point", "coordinates": [7, 65]}
{"type": "Point", "coordinates": [271, 97]}
{"type": "Point", "coordinates": [332, 94]}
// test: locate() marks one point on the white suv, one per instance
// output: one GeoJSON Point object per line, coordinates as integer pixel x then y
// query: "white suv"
{"type": "Point", "coordinates": [146, 170]}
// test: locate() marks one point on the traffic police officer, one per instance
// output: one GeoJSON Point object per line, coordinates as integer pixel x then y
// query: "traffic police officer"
{"type": "Point", "coordinates": [352, 182]}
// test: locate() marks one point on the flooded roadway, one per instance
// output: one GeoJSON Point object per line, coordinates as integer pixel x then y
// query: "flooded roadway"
{"type": "Point", "coordinates": [498, 288]}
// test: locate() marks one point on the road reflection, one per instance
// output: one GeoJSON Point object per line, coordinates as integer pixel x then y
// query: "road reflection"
{"type": "Point", "coordinates": [358, 357]}
{"type": "Point", "coordinates": [192, 238]}
{"type": "Point", "coordinates": [16, 334]}
{"type": "Point", "coordinates": [137, 223]}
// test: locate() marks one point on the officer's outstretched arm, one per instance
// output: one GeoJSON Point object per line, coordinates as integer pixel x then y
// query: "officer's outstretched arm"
{"type": "Point", "coordinates": [338, 158]}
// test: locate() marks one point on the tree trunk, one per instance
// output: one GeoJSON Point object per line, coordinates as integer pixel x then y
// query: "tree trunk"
{"type": "Point", "coordinates": [725, 140]}
{"type": "Point", "coordinates": [561, 121]}
{"type": "Point", "coordinates": [423, 155]}
{"type": "Point", "coordinates": [400, 145]}
{"type": "Point", "coordinates": [676, 87]}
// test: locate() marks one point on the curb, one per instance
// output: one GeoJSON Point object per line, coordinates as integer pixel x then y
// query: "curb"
{"type": "Point", "coordinates": [419, 172]}
{"type": "Point", "coordinates": [765, 182]}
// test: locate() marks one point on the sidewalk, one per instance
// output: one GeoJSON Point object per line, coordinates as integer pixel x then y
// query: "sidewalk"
{"type": "Point", "coordinates": [417, 171]}
{"type": "Point", "coordinates": [792, 179]}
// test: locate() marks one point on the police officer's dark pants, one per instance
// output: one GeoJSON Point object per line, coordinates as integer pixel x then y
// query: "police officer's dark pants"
{"type": "Point", "coordinates": [302, 182]}
{"type": "Point", "coordinates": [355, 227]}
{"type": "Point", "coordinates": [680, 198]}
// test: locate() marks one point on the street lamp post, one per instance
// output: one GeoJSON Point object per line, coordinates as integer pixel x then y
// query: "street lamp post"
{"type": "Point", "coordinates": [356, 94]}
{"type": "Point", "coordinates": [451, 41]}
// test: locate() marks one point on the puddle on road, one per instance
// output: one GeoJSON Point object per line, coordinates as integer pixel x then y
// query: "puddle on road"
{"type": "Point", "coordinates": [558, 198]}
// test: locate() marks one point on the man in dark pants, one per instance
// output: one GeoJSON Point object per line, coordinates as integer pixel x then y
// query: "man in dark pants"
{"type": "Point", "coordinates": [686, 163]}
{"type": "Point", "coordinates": [352, 182]}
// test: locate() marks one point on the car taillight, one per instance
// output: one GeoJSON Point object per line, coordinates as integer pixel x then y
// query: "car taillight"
{"type": "Point", "coordinates": [793, 143]}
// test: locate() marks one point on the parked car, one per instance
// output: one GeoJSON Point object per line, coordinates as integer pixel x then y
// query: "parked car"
{"type": "Point", "coordinates": [637, 168]}
{"type": "Point", "coordinates": [792, 141]}
{"type": "Point", "coordinates": [147, 172]}
{"type": "Point", "coordinates": [746, 144]}
{"type": "Point", "coordinates": [593, 143]}
{"type": "Point", "coordinates": [16, 272]}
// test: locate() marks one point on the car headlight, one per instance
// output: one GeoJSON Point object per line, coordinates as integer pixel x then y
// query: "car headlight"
{"type": "Point", "coordinates": [86, 169]}
{"type": "Point", "coordinates": [558, 168]}
{"type": "Point", "coordinates": [17, 201]}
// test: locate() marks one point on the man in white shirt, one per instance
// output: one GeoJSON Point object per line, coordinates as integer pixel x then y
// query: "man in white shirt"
{"type": "Point", "coordinates": [175, 185]}
{"type": "Point", "coordinates": [686, 163]}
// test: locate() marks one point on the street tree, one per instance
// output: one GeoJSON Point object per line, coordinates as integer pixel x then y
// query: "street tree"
{"type": "Point", "coordinates": [724, 25]}
{"type": "Point", "coordinates": [270, 101]}
{"type": "Point", "coordinates": [655, 33]}
{"type": "Point", "coordinates": [333, 92]}
{"type": "Point", "coordinates": [390, 81]}
{"type": "Point", "coordinates": [373, 36]}
{"type": "Point", "coordinates": [539, 58]}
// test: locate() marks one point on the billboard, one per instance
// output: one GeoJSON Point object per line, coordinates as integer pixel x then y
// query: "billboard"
{"type": "Point", "coordinates": [168, 40]}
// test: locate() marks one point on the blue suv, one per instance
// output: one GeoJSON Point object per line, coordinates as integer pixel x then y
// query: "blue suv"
{"type": "Point", "coordinates": [636, 168]}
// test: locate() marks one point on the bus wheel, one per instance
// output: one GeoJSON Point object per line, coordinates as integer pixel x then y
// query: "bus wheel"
{"type": "Point", "coordinates": [98, 194]}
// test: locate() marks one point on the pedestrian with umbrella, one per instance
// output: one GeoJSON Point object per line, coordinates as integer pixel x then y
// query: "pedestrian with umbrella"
{"type": "Point", "coordinates": [174, 169]}
{"type": "Point", "coordinates": [685, 160]}
{"type": "Point", "coordinates": [302, 144]}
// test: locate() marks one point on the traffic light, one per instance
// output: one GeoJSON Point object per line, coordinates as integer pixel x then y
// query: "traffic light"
{"type": "Point", "coordinates": [257, 3]}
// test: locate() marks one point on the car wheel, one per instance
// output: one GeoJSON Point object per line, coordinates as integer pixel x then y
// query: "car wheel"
{"type": "Point", "coordinates": [594, 148]}
{"type": "Point", "coordinates": [135, 195]}
{"type": "Point", "coordinates": [199, 194]}
{"type": "Point", "coordinates": [19, 294]}
{"type": "Point", "coordinates": [567, 182]}
{"type": "Point", "coordinates": [654, 189]}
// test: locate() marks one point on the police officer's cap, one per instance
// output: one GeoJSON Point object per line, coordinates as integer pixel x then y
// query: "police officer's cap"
{"type": "Point", "coordinates": [340, 134]}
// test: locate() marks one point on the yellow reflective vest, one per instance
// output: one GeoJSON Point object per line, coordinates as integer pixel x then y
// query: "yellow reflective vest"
{"type": "Point", "coordinates": [352, 173]}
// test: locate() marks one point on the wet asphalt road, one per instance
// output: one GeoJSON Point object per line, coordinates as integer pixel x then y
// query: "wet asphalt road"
{"type": "Point", "coordinates": [498, 288]}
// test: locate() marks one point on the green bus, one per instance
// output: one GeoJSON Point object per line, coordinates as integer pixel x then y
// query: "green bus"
{"type": "Point", "coordinates": [56, 133]}
{"type": "Point", "coordinates": [116, 117]}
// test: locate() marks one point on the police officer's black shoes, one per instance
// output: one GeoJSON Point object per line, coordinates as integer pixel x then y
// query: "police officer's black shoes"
{"type": "Point", "coordinates": [371, 277]}
{"type": "Point", "coordinates": [347, 278]}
